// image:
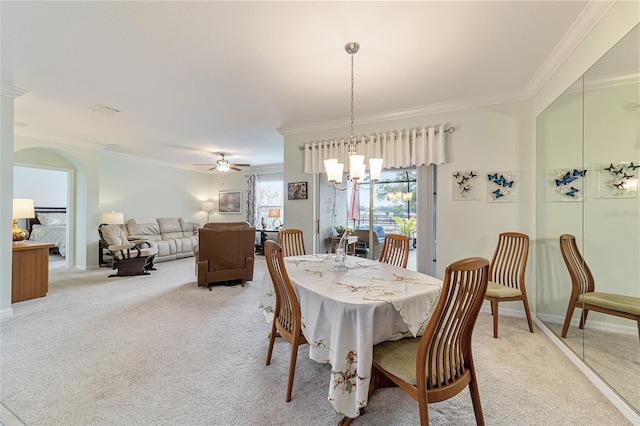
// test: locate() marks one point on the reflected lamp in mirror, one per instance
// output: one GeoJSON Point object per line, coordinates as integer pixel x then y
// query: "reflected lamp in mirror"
{"type": "Point", "coordinates": [113, 218]}
{"type": "Point", "coordinates": [275, 215]}
{"type": "Point", "coordinates": [208, 206]}
{"type": "Point", "coordinates": [22, 209]}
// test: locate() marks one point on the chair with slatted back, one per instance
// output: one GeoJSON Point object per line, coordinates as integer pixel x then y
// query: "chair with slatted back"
{"type": "Point", "coordinates": [395, 250]}
{"type": "Point", "coordinates": [439, 365]}
{"type": "Point", "coordinates": [292, 242]}
{"type": "Point", "coordinates": [287, 321]}
{"type": "Point", "coordinates": [583, 294]}
{"type": "Point", "coordinates": [506, 274]}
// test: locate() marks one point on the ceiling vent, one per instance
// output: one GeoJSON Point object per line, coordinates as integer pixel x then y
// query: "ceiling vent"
{"type": "Point", "coordinates": [104, 110]}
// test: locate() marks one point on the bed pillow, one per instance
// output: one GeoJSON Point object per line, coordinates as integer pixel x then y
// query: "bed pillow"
{"type": "Point", "coordinates": [52, 219]}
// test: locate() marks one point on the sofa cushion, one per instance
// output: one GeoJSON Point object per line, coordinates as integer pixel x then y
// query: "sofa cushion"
{"type": "Point", "coordinates": [189, 228]}
{"type": "Point", "coordinates": [146, 229]}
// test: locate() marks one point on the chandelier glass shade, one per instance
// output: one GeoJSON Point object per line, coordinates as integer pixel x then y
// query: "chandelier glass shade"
{"type": "Point", "coordinates": [357, 166]}
{"type": "Point", "coordinates": [397, 196]}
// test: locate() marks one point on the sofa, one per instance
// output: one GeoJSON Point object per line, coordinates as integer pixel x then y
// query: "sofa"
{"type": "Point", "coordinates": [175, 238]}
{"type": "Point", "coordinates": [225, 253]}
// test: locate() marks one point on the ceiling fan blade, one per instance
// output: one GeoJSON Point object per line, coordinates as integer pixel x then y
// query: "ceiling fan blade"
{"type": "Point", "coordinates": [204, 164]}
{"type": "Point", "coordinates": [235, 168]}
{"type": "Point", "coordinates": [240, 165]}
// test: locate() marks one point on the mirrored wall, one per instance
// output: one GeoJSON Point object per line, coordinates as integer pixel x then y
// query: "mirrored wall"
{"type": "Point", "coordinates": [588, 158]}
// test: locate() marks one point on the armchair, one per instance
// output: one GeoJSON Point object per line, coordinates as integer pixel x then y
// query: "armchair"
{"type": "Point", "coordinates": [363, 247]}
{"type": "Point", "coordinates": [225, 252]}
{"type": "Point", "coordinates": [129, 257]}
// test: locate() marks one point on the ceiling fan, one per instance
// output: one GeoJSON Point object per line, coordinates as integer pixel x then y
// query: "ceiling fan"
{"type": "Point", "coordinates": [224, 165]}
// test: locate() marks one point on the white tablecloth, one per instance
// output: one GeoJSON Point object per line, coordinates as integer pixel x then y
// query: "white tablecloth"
{"type": "Point", "coordinates": [344, 314]}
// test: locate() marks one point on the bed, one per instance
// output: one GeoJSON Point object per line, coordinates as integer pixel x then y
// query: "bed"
{"type": "Point", "coordinates": [50, 226]}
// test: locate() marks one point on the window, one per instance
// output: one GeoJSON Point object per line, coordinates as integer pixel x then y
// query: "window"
{"type": "Point", "coordinates": [394, 198]}
{"type": "Point", "coordinates": [271, 197]}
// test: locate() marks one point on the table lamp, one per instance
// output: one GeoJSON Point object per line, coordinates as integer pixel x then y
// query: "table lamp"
{"type": "Point", "coordinates": [275, 214]}
{"type": "Point", "coordinates": [22, 209]}
{"type": "Point", "coordinates": [113, 218]}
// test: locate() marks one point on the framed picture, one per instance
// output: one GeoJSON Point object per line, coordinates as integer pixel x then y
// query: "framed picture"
{"type": "Point", "coordinates": [230, 202]}
{"type": "Point", "coordinates": [502, 186]}
{"type": "Point", "coordinates": [464, 185]}
{"type": "Point", "coordinates": [297, 191]}
{"type": "Point", "coordinates": [566, 184]}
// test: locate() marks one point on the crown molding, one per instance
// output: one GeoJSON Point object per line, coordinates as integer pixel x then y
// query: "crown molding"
{"type": "Point", "coordinates": [480, 101]}
{"type": "Point", "coordinates": [582, 26]}
{"type": "Point", "coordinates": [11, 91]}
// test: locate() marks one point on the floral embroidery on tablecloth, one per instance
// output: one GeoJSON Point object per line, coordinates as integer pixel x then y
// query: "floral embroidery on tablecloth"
{"type": "Point", "coordinates": [346, 380]}
{"type": "Point", "coordinates": [266, 308]}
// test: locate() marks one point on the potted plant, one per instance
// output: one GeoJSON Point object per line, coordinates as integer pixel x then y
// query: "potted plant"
{"type": "Point", "coordinates": [340, 230]}
{"type": "Point", "coordinates": [407, 226]}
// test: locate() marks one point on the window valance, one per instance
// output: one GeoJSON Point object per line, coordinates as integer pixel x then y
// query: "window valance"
{"type": "Point", "coordinates": [401, 149]}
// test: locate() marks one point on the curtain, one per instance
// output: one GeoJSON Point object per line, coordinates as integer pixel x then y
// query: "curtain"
{"type": "Point", "coordinates": [407, 148]}
{"type": "Point", "coordinates": [253, 200]}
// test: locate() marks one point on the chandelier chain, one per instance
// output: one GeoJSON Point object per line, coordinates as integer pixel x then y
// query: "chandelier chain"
{"type": "Point", "coordinates": [352, 139]}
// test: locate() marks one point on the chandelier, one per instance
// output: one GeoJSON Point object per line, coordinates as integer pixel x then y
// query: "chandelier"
{"type": "Point", "coordinates": [398, 196]}
{"type": "Point", "coordinates": [357, 168]}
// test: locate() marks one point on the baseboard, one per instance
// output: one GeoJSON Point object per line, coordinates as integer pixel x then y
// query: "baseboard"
{"type": "Point", "coordinates": [594, 325]}
{"type": "Point", "coordinates": [632, 415]}
{"type": "Point", "coordinates": [7, 417]}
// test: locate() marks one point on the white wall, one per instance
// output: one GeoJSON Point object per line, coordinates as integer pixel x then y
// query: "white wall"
{"type": "Point", "coordinates": [47, 188]}
{"type": "Point", "coordinates": [497, 137]}
{"type": "Point", "coordinates": [144, 189]}
{"type": "Point", "coordinates": [6, 206]}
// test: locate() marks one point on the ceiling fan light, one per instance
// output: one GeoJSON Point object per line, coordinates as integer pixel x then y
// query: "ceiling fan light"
{"type": "Point", "coordinates": [223, 167]}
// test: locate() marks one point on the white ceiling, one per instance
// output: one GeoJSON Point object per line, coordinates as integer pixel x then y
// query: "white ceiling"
{"type": "Point", "coordinates": [193, 78]}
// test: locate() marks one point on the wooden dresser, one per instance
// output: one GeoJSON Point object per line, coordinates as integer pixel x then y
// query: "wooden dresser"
{"type": "Point", "coordinates": [30, 270]}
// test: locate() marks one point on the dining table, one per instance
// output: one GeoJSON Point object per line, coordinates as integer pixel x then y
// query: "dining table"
{"type": "Point", "coordinates": [344, 314]}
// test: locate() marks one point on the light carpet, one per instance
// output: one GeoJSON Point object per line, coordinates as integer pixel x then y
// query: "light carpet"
{"type": "Point", "coordinates": [158, 350]}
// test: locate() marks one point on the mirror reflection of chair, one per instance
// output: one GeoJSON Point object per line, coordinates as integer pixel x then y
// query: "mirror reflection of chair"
{"type": "Point", "coordinates": [583, 294]}
{"type": "Point", "coordinates": [287, 321]}
{"type": "Point", "coordinates": [129, 257]}
{"type": "Point", "coordinates": [439, 365]}
{"type": "Point", "coordinates": [395, 250]}
{"type": "Point", "coordinates": [506, 274]}
{"type": "Point", "coordinates": [292, 242]}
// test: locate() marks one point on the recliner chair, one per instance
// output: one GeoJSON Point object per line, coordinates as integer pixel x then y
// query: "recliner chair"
{"type": "Point", "coordinates": [225, 253]}
{"type": "Point", "coordinates": [129, 257]}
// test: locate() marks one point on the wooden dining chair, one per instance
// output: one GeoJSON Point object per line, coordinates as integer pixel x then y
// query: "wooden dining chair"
{"type": "Point", "coordinates": [439, 365]}
{"type": "Point", "coordinates": [292, 242]}
{"type": "Point", "coordinates": [583, 294]}
{"type": "Point", "coordinates": [287, 322]}
{"type": "Point", "coordinates": [395, 250]}
{"type": "Point", "coordinates": [506, 274]}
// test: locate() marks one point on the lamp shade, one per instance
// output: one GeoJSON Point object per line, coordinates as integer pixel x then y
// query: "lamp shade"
{"type": "Point", "coordinates": [274, 213]}
{"type": "Point", "coordinates": [208, 206]}
{"type": "Point", "coordinates": [375, 168]}
{"type": "Point", "coordinates": [113, 218]}
{"type": "Point", "coordinates": [23, 208]}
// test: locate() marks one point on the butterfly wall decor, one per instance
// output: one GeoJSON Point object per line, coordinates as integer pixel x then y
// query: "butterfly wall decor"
{"type": "Point", "coordinates": [569, 183]}
{"type": "Point", "coordinates": [464, 185]}
{"type": "Point", "coordinates": [619, 179]}
{"type": "Point", "coordinates": [501, 186]}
